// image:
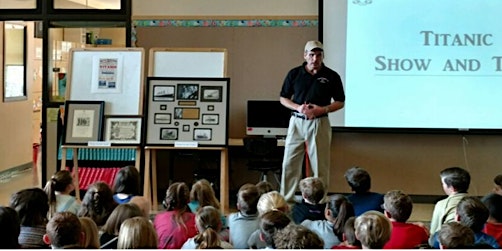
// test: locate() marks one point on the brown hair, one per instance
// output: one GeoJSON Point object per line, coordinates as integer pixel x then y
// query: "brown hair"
{"type": "Point", "coordinates": [121, 213]}
{"type": "Point", "coordinates": [455, 235]}
{"type": "Point", "coordinates": [58, 183]}
{"type": "Point", "coordinates": [177, 198]}
{"type": "Point", "coordinates": [204, 194]}
{"type": "Point", "coordinates": [297, 237]}
{"type": "Point", "coordinates": [98, 203]}
{"type": "Point", "coordinates": [137, 233]}
{"type": "Point", "coordinates": [64, 229]}
{"type": "Point", "coordinates": [270, 223]}
{"type": "Point", "coordinates": [127, 181]}
{"type": "Point", "coordinates": [373, 229]}
{"type": "Point", "coordinates": [31, 205]}
{"type": "Point", "coordinates": [398, 204]}
{"type": "Point", "coordinates": [247, 199]}
{"type": "Point", "coordinates": [312, 189]}
{"type": "Point", "coordinates": [208, 221]}
{"type": "Point", "coordinates": [341, 210]}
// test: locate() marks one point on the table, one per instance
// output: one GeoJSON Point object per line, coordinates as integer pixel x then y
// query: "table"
{"type": "Point", "coordinates": [150, 189]}
{"type": "Point", "coordinates": [75, 149]}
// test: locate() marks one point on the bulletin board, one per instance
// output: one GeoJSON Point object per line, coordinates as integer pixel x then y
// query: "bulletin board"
{"type": "Point", "coordinates": [114, 75]}
{"type": "Point", "coordinates": [187, 110]}
{"type": "Point", "coordinates": [188, 62]}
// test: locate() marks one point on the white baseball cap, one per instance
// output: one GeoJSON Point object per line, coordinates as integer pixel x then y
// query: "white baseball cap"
{"type": "Point", "coordinates": [311, 45]}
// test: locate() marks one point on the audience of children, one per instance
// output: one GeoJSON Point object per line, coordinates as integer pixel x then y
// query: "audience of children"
{"type": "Point", "coordinates": [264, 187]}
{"type": "Point", "coordinates": [208, 222]}
{"type": "Point", "coordinates": [10, 227]}
{"type": "Point", "coordinates": [177, 223]}
{"type": "Point", "coordinates": [372, 229]}
{"type": "Point", "coordinates": [297, 237]}
{"type": "Point", "coordinates": [497, 184]}
{"type": "Point", "coordinates": [143, 203]}
{"type": "Point", "coordinates": [362, 198]}
{"type": "Point", "coordinates": [137, 233]}
{"type": "Point", "coordinates": [398, 207]}
{"type": "Point", "coordinates": [453, 235]}
{"type": "Point", "coordinates": [311, 208]}
{"type": "Point", "coordinates": [91, 233]}
{"type": "Point", "coordinates": [58, 189]}
{"type": "Point", "coordinates": [336, 213]}
{"type": "Point", "coordinates": [98, 203]}
{"type": "Point", "coordinates": [455, 182]}
{"type": "Point", "coordinates": [493, 225]}
{"type": "Point", "coordinates": [126, 184]}
{"type": "Point", "coordinates": [349, 236]}
{"type": "Point", "coordinates": [32, 206]}
{"type": "Point", "coordinates": [472, 213]}
{"type": "Point", "coordinates": [270, 223]}
{"type": "Point", "coordinates": [244, 222]}
{"type": "Point", "coordinates": [64, 231]}
{"type": "Point", "coordinates": [111, 229]}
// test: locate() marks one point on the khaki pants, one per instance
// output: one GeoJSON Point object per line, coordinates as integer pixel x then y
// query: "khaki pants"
{"type": "Point", "coordinates": [317, 134]}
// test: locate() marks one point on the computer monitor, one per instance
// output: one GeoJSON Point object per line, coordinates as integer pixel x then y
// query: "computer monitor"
{"type": "Point", "coordinates": [268, 118]}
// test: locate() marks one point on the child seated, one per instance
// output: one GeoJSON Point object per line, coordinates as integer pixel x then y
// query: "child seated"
{"type": "Point", "coordinates": [264, 187]}
{"type": "Point", "coordinates": [349, 236]}
{"type": "Point", "coordinates": [362, 199]}
{"type": "Point", "coordinates": [472, 213]}
{"type": "Point", "coordinates": [497, 184]}
{"type": "Point", "coordinates": [372, 229]}
{"type": "Point", "coordinates": [493, 225]}
{"type": "Point", "coordinates": [454, 235]}
{"type": "Point", "coordinates": [243, 223]}
{"type": "Point", "coordinates": [208, 222]}
{"type": "Point", "coordinates": [337, 211]}
{"type": "Point", "coordinates": [270, 223]}
{"type": "Point", "coordinates": [397, 207]}
{"type": "Point", "coordinates": [58, 189]}
{"type": "Point", "coordinates": [310, 208]}
{"type": "Point", "coordinates": [455, 182]}
{"type": "Point", "coordinates": [297, 237]}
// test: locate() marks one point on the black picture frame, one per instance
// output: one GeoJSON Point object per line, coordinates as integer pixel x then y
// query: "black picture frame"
{"type": "Point", "coordinates": [211, 93]}
{"type": "Point", "coordinates": [83, 122]}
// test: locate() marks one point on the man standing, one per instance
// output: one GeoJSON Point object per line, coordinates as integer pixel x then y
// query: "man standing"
{"type": "Point", "coordinates": [311, 90]}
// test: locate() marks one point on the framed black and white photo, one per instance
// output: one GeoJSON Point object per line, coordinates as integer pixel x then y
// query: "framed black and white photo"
{"type": "Point", "coordinates": [202, 134]}
{"type": "Point", "coordinates": [163, 93]}
{"type": "Point", "coordinates": [211, 93]}
{"type": "Point", "coordinates": [210, 119]}
{"type": "Point", "coordinates": [198, 111]}
{"type": "Point", "coordinates": [83, 122]}
{"type": "Point", "coordinates": [188, 92]}
{"type": "Point", "coordinates": [123, 129]}
{"type": "Point", "coordinates": [168, 133]}
{"type": "Point", "coordinates": [162, 118]}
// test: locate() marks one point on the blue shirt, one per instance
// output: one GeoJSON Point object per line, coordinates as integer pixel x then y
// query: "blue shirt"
{"type": "Point", "coordinates": [364, 202]}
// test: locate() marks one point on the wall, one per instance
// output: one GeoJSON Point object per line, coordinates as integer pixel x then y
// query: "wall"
{"type": "Point", "coordinates": [16, 123]}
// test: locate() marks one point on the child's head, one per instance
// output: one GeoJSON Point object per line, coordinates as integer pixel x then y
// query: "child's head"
{"type": "Point", "coordinates": [61, 181]}
{"type": "Point", "coordinates": [270, 223]}
{"type": "Point", "coordinates": [372, 229]}
{"type": "Point", "coordinates": [91, 232]}
{"type": "Point", "coordinates": [264, 187]}
{"type": "Point", "coordinates": [455, 180]}
{"type": "Point", "coordinates": [143, 203]}
{"type": "Point", "coordinates": [493, 202]}
{"type": "Point", "coordinates": [358, 179]}
{"type": "Point", "coordinates": [121, 213]}
{"type": "Point", "coordinates": [32, 205]}
{"type": "Point", "coordinates": [11, 227]}
{"type": "Point", "coordinates": [204, 194]}
{"type": "Point", "coordinates": [247, 199]}
{"type": "Point", "coordinates": [137, 233]}
{"type": "Point", "coordinates": [98, 203]}
{"type": "Point", "coordinates": [127, 181]}
{"type": "Point", "coordinates": [272, 201]}
{"type": "Point", "coordinates": [208, 222]}
{"type": "Point", "coordinates": [397, 205]}
{"type": "Point", "coordinates": [338, 211]}
{"type": "Point", "coordinates": [472, 213]}
{"type": "Point", "coordinates": [177, 197]}
{"type": "Point", "coordinates": [63, 229]}
{"type": "Point", "coordinates": [297, 237]}
{"type": "Point", "coordinates": [454, 235]}
{"type": "Point", "coordinates": [497, 184]}
{"type": "Point", "coordinates": [349, 233]}
{"type": "Point", "coordinates": [312, 189]}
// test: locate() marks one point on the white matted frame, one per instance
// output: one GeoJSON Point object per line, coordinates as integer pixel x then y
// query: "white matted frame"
{"type": "Point", "coordinates": [83, 122]}
{"type": "Point", "coordinates": [114, 75]}
{"type": "Point", "coordinates": [123, 130]}
{"type": "Point", "coordinates": [187, 119]}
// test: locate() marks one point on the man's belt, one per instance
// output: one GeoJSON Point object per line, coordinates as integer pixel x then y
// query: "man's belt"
{"type": "Point", "coordinates": [304, 117]}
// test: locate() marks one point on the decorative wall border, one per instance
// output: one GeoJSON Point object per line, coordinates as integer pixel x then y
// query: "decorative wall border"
{"type": "Point", "coordinates": [226, 23]}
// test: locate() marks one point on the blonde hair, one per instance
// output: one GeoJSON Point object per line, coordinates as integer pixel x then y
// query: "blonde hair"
{"type": "Point", "coordinates": [143, 203]}
{"type": "Point", "coordinates": [204, 194]}
{"type": "Point", "coordinates": [272, 201]}
{"type": "Point", "coordinates": [137, 233]}
{"type": "Point", "coordinates": [90, 229]}
{"type": "Point", "coordinates": [373, 229]}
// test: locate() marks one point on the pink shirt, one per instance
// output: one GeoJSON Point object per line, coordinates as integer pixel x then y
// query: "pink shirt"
{"type": "Point", "coordinates": [171, 234]}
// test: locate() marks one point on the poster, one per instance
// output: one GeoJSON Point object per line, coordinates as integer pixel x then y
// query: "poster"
{"type": "Point", "coordinates": [106, 74]}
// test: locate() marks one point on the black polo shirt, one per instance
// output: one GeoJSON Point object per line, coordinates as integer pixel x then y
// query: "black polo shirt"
{"type": "Point", "coordinates": [315, 89]}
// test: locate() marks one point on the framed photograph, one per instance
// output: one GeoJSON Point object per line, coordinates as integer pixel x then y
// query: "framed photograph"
{"type": "Point", "coordinates": [202, 134]}
{"type": "Point", "coordinates": [163, 107]}
{"type": "Point", "coordinates": [210, 119]}
{"type": "Point", "coordinates": [163, 93]}
{"type": "Point", "coordinates": [168, 133]}
{"type": "Point", "coordinates": [162, 118]}
{"type": "Point", "coordinates": [186, 128]}
{"type": "Point", "coordinates": [188, 92]}
{"type": "Point", "coordinates": [211, 93]}
{"type": "Point", "coordinates": [210, 107]}
{"type": "Point", "coordinates": [123, 129]}
{"type": "Point", "coordinates": [83, 122]}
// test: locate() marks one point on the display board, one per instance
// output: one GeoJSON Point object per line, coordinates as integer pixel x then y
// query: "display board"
{"type": "Point", "coordinates": [187, 110]}
{"type": "Point", "coordinates": [113, 75]}
{"type": "Point", "coordinates": [188, 62]}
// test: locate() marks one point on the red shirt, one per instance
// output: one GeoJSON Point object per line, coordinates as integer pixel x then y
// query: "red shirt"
{"type": "Point", "coordinates": [171, 234]}
{"type": "Point", "coordinates": [406, 236]}
{"type": "Point", "coordinates": [495, 230]}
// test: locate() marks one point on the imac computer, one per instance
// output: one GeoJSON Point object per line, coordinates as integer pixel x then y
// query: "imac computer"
{"type": "Point", "coordinates": [267, 118]}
